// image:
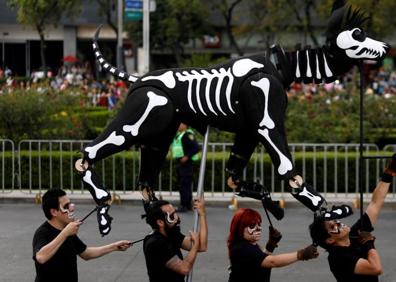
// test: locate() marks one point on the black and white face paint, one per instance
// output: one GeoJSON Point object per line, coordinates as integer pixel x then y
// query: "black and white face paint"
{"type": "Point", "coordinates": [69, 209]}
{"type": "Point", "coordinates": [254, 230]}
{"type": "Point", "coordinates": [337, 227]}
{"type": "Point", "coordinates": [172, 218]}
{"type": "Point", "coordinates": [358, 46]}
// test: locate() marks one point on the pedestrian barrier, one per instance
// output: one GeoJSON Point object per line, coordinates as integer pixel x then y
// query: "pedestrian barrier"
{"type": "Point", "coordinates": [39, 165]}
{"type": "Point", "coordinates": [7, 165]}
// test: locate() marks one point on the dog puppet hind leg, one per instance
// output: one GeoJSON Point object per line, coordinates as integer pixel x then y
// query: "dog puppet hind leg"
{"type": "Point", "coordinates": [153, 154]}
{"type": "Point", "coordinates": [146, 113]}
{"type": "Point", "coordinates": [268, 101]}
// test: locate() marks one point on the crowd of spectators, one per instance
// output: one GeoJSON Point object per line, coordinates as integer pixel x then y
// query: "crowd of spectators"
{"type": "Point", "coordinates": [107, 92]}
{"type": "Point", "coordinates": [72, 78]}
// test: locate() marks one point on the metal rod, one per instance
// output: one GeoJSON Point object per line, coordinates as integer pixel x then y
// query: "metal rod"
{"type": "Point", "coordinates": [200, 184]}
{"type": "Point", "coordinates": [137, 241]}
{"type": "Point", "coordinates": [146, 34]}
{"type": "Point", "coordinates": [91, 212]}
{"type": "Point", "coordinates": [376, 157]}
{"type": "Point", "coordinates": [119, 33]}
{"type": "Point", "coordinates": [268, 217]}
{"type": "Point", "coordinates": [361, 136]}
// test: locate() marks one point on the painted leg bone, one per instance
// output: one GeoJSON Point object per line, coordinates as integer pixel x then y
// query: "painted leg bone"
{"type": "Point", "coordinates": [305, 194]}
{"type": "Point", "coordinates": [104, 219]}
{"type": "Point", "coordinates": [259, 192]}
{"type": "Point", "coordinates": [154, 101]}
{"type": "Point", "coordinates": [94, 184]}
{"type": "Point", "coordinates": [113, 139]}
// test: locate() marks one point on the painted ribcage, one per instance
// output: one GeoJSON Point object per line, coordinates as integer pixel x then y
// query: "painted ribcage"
{"type": "Point", "coordinates": [209, 91]}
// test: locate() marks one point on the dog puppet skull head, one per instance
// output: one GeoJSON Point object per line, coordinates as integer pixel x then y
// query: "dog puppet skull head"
{"type": "Point", "coordinates": [346, 38]}
{"type": "Point", "coordinates": [358, 46]}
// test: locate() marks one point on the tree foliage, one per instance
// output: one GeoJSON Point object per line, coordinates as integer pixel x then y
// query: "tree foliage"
{"type": "Point", "coordinates": [173, 24]}
{"type": "Point", "coordinates": [40, 14]}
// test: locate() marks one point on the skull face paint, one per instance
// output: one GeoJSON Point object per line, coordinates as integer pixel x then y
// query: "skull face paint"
{"type": "Point", "coordinates": [69, 209]}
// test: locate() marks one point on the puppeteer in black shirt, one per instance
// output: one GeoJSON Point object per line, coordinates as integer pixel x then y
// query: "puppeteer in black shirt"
{"type": "Point", "coordinates": [62, 267]}
{"type": "Point", "coordinates": [158, 250]}
{"type": "Point", "coordinates": [342, 260]}
{"type": "Point", "coordinates": [246, 260]}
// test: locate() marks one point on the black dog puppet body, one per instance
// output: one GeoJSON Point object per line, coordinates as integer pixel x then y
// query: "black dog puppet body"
{"type": "Point", "coordinates": [246, 96]}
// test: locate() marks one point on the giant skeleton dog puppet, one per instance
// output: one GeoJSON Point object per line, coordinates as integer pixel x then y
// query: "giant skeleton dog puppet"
{"type": "Point", "coordinates": [245, 96]}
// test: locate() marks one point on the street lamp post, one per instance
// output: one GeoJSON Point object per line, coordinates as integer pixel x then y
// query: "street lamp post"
{"type": "Point", "coordinates": [119, 32]}
{"type": "Point", "coordinates": [3, 49]}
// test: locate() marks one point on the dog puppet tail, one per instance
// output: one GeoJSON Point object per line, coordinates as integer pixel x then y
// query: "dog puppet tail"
{"type": "Point", "coordinates": [108, 67]}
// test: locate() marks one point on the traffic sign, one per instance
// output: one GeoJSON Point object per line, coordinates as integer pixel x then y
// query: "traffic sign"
{"type": "Point", "coordinates": [133, 10]}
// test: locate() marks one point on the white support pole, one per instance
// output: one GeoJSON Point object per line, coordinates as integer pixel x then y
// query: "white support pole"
{"type": "Point", "coordinates": [201, 179]}
{"type": "Point", "coordinates": [120, 15]}
{"type": "Point", "coordinates": [146, 34]}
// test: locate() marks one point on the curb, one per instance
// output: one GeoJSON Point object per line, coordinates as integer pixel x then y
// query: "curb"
{"type": "Point", "coordinates": [212, 199]}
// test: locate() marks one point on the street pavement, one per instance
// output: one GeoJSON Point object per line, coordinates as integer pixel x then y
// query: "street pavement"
{"type": "Point", "coordinates": [20, 220]}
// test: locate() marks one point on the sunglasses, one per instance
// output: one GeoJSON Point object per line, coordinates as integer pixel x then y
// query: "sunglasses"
{"type": "Point", "coordinates": [67, 207]}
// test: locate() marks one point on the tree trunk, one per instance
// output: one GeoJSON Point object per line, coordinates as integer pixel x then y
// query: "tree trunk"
{"type": "Point", "coordinates": [178, 52]}
{"type": "Point", "coordinates": [228, 18]}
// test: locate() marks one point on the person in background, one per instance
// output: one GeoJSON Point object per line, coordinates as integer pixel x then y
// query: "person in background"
{"type": "Point", "coordinates": [185, 151]}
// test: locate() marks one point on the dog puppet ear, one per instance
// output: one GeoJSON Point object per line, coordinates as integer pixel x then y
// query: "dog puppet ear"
{"type": "Point", "coordinates": [338, 4]}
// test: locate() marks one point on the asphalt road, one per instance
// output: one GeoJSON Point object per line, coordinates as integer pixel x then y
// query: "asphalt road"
{"type": "Point", "coordinates": [20, 220]}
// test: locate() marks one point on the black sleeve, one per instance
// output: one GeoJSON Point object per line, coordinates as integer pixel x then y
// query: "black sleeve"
{"type": "Point", "coordinates": [190, 145]}
{"type": "Point", "coordinates": [363, 223]}
{"type": "Point", "coordinates": [39, 240]}
{"type": "Point", "coordinates": [78, 244]}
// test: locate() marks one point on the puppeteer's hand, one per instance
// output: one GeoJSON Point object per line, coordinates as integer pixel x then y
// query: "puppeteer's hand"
{"type": "Point", "coordinates": [194, 239]}
{"type": "Point", "coordinates": [274, 235]}
{"type": "Point", "coordinates": [122, 245]}
{"type": "Point", "coordinates": [72, 228]}
{"type": "Point", "coordinates": [366, 240]}
{"type": "Point", "coordinates": [184, 159]}
{"type": "Point", "coordinates": [307, 253]}
{"type": "Point", "coordinates": [199, 205]}
{"type": "Point", "coordinates": [273, 239]}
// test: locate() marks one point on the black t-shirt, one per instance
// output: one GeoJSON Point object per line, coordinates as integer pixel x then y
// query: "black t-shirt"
{"type": "Point", "coordinates": [246, 260]}
{"type": "Point", "coordinates": [158, 250]}
{"type": "Point", "coordinates": [62, 267]}
{"type": "Point", "coordinates": [342, 260]}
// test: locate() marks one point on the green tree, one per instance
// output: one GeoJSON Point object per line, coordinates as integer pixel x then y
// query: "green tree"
{"type": "Point", "coordinates": [108, 10]}
{"type": "Point", "coordinates": [42, 13]}
{"type": "Point", "coordinates": [174, 24]}
{"type": "Point", "coordinates": [227, 10]}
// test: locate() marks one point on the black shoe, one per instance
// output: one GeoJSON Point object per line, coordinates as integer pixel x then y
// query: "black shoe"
{"type": "Point", "coordinates": [259, 192]}
{"type": "Point", "coordinates": [273, 207]}
{"type": "Point", "coordinates": [337, 212]}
